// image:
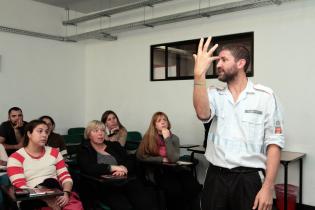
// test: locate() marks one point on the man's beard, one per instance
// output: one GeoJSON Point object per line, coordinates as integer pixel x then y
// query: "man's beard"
{"type": "Point", "coordinates": [13, 123]}
{"type": "Point", "coordinates": [228, 76]}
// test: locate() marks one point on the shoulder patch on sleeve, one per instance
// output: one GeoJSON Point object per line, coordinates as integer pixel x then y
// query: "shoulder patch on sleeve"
{"type": "Point", "coordinates": [260, 87]}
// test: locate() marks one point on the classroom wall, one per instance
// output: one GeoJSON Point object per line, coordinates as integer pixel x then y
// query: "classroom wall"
{"type": "Point", "coordinates": [118, 76]}
{"type": "Point", "coordinates": [40, 76]}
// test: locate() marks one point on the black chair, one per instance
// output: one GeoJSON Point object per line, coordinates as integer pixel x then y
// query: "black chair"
{"type": "Point", "coordinates": [76, 131]}
{"type": "Point", "coordinates": [133, 141]}
{"type": "Point", "coordinates": [73, 143]}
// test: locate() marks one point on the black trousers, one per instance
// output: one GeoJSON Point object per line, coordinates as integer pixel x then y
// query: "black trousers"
{"type": "Point", "coordinates": [226, 189]}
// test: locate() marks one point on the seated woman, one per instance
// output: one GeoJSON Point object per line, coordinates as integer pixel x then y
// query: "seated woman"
{"type": "Point", "coordinates": [115, 131]}
{"type": "Point", "coordinates": [99, 157]}
{"type": "Point", "coordinates": [55, 140]}
{"type": "Point", "coordinates": [37, 165]}
{"type": "Point", "coordinates": [159, 144]}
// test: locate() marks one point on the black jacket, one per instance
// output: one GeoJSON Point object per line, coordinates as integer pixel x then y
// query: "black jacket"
{"type": "Point", "coordinates": [87, 158]}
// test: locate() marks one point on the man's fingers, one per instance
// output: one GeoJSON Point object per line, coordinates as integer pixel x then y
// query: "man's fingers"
{"type": "Point", "coordinates": [200, 45]}
{"type": "Point", "coordinates": [261, 206]}
{"type": "Point", "coordinates": [206, 46]}
{"type": "Point", "coordinates": [210, 52]}
{"type": "Point", "coordinates": [195, 57]}
{"type": "Point", "coordinates": [58, 202]}
{"type": "Point", "coordinates": [255, 203]}
{"type": "Point", "coordinates": [214, 58]}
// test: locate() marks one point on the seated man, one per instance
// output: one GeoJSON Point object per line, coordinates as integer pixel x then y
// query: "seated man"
{"type": "Point", "coordinates": [12, 131]}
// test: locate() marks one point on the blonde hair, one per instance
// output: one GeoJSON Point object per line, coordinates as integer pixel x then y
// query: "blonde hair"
{"type": "Point", "coordinates": [148, 145]}
{"type": "Point", "coordinates": [94, 124]}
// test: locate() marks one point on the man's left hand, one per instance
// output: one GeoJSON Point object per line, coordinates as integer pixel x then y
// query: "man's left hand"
{"type": "Point", "coordinates": [264, 199]}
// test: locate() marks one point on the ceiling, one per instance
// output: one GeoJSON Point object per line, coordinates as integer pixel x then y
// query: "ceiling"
{"type": "Point", "coordinates": [86, 6]}
{"type": "Point", "coordinates": [94, 9]}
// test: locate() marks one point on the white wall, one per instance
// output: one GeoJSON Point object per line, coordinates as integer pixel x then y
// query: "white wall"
{"type": "Point", "coordinates": [40, 76]}
{"type": "Point", "coordinates": [118, 74]}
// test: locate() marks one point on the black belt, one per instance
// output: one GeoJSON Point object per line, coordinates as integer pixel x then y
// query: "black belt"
{"type": "Point", "coordinates": [240, 169]}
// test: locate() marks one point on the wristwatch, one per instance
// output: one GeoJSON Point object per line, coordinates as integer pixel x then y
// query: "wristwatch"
{"type": "Point", "coordinates": [68, 192]}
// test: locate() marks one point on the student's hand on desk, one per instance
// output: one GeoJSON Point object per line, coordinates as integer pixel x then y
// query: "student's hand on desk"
{"type": "Point", "coordinates": [119, 173]}
{"type": "Point", "coordinates": [166, 133]}
{"type": "Point", "coordinates": [263, 200]}
{"type": "Point", "coordinates": [63, 200]}
{"type": "Point", "coordinates": [123, 169]}
{"type": "Point", "coordinates": [52, 203]}
{"type": "Point", "coordinates": [119, 168]}
{"type": "Point", "coordinates": [165, 160]}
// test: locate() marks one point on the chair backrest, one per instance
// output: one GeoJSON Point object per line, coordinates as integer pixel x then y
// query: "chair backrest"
{"type": "Point", "coordinates": [77, 130]}
{"type": "Point", "coordinates": [133, 140]}
{"type": "Point", "coordinates": [73, 142]}
{"type": "Point", "coordinates": [73, 139]}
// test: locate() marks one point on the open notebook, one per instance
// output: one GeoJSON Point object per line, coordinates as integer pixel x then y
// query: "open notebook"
{"type": "Point", "coordinates": [37, 192]}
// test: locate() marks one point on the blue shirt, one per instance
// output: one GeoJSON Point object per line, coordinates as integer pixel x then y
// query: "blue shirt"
{"type": "Point", "coordinates": [241, 131]}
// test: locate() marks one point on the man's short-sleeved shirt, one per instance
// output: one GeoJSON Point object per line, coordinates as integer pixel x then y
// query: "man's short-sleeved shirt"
{"type": "Point", "coordinates": [241, 131]}
{"type": "Point", "coordinates": [7, 131]}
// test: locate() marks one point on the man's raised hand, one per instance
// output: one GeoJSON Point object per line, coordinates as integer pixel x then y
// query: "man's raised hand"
{"type": "Point", "coordinates": [204, 58]}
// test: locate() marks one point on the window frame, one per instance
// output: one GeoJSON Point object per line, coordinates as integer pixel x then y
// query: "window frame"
{"type": "Point", "coordinates": [247, 37]}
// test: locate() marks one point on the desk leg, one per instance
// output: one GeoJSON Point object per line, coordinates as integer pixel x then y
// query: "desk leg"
{"type": "Point", "coordinates": [285, 186]}
{"type": "Point", "coordinates": [301, 181]}
{"type": "Point", "coordinates": [192, 158]}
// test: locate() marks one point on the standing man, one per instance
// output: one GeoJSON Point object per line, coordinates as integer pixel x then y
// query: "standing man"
{"type": "Point", "coordinates": [12, 131]}
{"type": "Point", "coordinates": [245, 136]}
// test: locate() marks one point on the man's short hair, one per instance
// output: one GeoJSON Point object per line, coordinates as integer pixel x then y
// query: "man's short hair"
{"type": "Point", "coordinates": [238, 51]}
{"type": "Point", "coordinates": [15, 108]}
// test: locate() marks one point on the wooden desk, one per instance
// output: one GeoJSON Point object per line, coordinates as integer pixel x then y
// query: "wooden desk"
{"type": "Point", "coordinates": [286, 158]}
{"type": "Point", "coordinates": [10, 191]}
{"type": "Point", "coordinates": [179, 163]}
{"type": "Point", "coordinates": [103, 180]}
{"type": "Point", "coordinates": [198, 149]}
